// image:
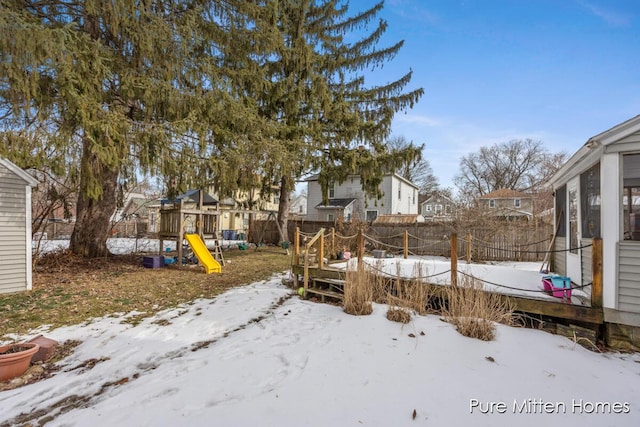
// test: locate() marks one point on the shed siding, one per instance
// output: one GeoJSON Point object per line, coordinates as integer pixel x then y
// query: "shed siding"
{"type": "Point", "coordinates": [13, 229]}
{"type": "Point", "coordinates": [629, 277]}
{"type": "Point", "coordinates": [560, 257]}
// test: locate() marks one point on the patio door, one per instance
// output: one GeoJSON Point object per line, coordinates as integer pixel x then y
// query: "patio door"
{"type": "Point", "coordinates": [574, 268]}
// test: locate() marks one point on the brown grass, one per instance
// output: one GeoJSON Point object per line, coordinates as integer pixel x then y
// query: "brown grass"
{"type": "Point", "coordinates": [358, 292]}
{"type": "Point", "coordinates": [411, 294]}
{"type": "Point", "coordinates": [473, 311]}
{"type": "Point", "coordinates": [70, 290]}
{"type": "Point", "coordinates": [397, 314]}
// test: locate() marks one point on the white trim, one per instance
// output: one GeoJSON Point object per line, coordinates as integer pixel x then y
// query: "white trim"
{"type": "Point", "coordinates": [28, 261]}
{"type": "Point", "coordinates": [617, 132]}
{"type": "Point", "coordinates": [611, 214]}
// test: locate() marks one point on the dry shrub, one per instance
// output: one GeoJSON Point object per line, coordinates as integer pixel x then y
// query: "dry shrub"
{"type": "Point", "coordinates": [381, 285]}
{"type": "Point", "coordinates": [397, 314]}
{"type": "Point", "coordinates": [397, 291]}
{"type": "Point", "coordinates": [358, 292]}
{"type": "Point", "coordinates": [474, 311]}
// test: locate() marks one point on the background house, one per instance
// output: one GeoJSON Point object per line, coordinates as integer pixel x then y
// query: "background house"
{"type": "Point", "coordinates": [15, 227]}
{"type": "Point", "coordinates": [597, 194]}
{"type": "Point", "coordinates": [507, 204]}
{"type": "Point", "coordinates": [298, 207]}
{"type": "Point", "coordinates": [347, 200]}
{"type": "Point", "coordinates": [438, 207]}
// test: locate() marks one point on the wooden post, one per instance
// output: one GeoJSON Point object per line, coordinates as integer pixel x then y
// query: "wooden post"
{"type": "Point", "coordinates": [321, 251]}
{"type": "Point", "coordinates": [333, 242]}
{"type": "Point", "coordinates": [360, 250]}
{"type": "Point", "coordinates": [296, 246]}
{"type": "Point", "coordinates": [199, 225]}
{"type": "Point", "coordinates": [596, 269]}
{"type": "Point", "coordinates": [180, 234]}
{"type": "Point", "coordinates": [406, 244]}
{"type": "Point", "coordinates": [454, 259]}
{"type": "Point", "coordinates": [306, 272]}
{"type": "Point", "coordinates": [468, 248]}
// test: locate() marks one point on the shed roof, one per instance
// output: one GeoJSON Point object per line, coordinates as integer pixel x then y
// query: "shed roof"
{"type": "Point", "coordinates": [28, 179]}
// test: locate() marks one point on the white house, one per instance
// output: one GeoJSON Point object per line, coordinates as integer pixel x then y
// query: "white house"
{"type": "Point", "coordinates": [597, 193]}
{"type": "Point", "coordinates": [438, 207]}
{"type": "Point", "coordinates": [298, 207]}
{"type": "Point", "coordinates": [15, 227]}
{"type": "Point", "coordinates": [348, 202]}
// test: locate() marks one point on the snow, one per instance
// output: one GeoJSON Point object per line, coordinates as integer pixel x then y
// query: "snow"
{"type": "Point", "coordinates": [258, 356]}
{"type": "Point", "coordinates": [123, 246]}
{"type": "Point", "coordinates": [521, 279]}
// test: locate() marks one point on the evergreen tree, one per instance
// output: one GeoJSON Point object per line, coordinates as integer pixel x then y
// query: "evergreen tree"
{"type": "Point", "coordinates": [125, 86]}
{"type": "Point", "coordinates": [326, 117]}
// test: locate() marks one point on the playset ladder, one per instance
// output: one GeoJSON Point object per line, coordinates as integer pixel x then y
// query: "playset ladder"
{"type": "Point", "coordinates": [217, 250]}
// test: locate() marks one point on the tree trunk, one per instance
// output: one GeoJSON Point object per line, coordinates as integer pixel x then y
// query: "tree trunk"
{"type": "Point", "coordinates": [286, 187]}
{"type": "Point", "coordinates": [91, 231]}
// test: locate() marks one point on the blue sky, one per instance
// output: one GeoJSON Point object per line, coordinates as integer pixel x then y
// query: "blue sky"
{"type": "Point", "coordinates": [559, 71]}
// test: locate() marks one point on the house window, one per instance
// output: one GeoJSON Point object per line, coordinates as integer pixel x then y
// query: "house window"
{"type": "Point", "coordinates": [399, 192]}
{"type": "Point", "coordinates": [438, 209]}
{"type": "Point", "coordinates": [300, 209]}
{"type": "Point", "coordinates": [428, 208]}
{"type": "Point", "coordinates": [631, 196]}
{"type": "Point", "coordinates": [332, 190]}
{"type": "Point", "coordinates": [371, 215]}
{"type": "Point", "coordinates": [349, 217]}
{"type": "Point", "coordinates": [447, 209]}
{"type": "Point", "coordinates": [590, 202]}
{"type": "Point", "coordinates": [414, 196]}
{"type": "Point", "coordinates": [516, 203]}
{"type": "Point", "coordinates": [329, 217]}
{"type": "Point", "coordinates": [492, 203]}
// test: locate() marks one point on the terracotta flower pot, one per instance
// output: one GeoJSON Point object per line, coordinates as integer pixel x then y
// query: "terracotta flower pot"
{"type": "Point", "coordinates": [15, 359]}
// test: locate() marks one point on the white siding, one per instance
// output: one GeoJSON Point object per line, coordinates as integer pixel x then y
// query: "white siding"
{"type": "Point", "coordinates": [629, 277]}
{"type": "Point", "coordinates": [560, 257]}
{"type": "Point", "coordinates": [14, 227]}
{"type": "Point", "coordinates": [352, 188]}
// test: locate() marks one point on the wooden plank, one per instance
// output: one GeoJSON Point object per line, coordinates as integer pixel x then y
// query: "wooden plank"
{"type": "Point", "coordinates": [326, 293]}
{"type": "Point", "coordinates": [557, 309]}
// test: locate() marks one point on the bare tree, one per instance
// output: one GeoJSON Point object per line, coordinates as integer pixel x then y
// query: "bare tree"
{"type": "Point", "coordinates": [521, 165]}
{"type": "Point", "coordinates": [418, 171]}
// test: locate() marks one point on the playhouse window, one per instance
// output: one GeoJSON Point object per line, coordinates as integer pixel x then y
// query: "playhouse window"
{"type": "Point", "coordinates": [590, 201]}
{"type": "Point", "coordinates": [631, 196]}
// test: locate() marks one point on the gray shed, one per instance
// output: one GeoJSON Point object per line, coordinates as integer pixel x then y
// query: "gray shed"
{"type": "Point", "coordinates": [15, 227]}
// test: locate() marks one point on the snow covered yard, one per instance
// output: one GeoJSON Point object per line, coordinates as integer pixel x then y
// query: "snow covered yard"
{"type": "Point", "coordinates": [255, 356]}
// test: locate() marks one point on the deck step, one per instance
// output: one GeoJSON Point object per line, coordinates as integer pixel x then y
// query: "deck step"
{"type": "Point", "coordinates": [325, 293]}
{"type": "Point", "coordinates": [322, 283]}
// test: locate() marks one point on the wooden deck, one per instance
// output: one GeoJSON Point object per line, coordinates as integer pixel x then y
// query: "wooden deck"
{"type": "Point", "coordinates": [328, 283]}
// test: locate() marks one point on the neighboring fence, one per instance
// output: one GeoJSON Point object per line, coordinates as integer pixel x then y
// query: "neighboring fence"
{"type": "Point", "coordinates": [62, 230]}
{"type": "Point", "coordinates": [499, 241]}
